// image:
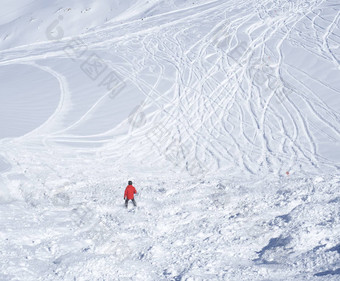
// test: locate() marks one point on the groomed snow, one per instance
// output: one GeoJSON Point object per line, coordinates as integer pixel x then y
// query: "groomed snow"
{"type": "Point", "coordinates": [224, 114]}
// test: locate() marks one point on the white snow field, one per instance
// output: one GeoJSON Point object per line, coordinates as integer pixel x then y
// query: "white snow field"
{"type": "Point", "coordinates": [225, 115]}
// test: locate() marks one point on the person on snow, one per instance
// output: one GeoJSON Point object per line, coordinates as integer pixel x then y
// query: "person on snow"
{"type": "Point", "coordinates": [129, 194]}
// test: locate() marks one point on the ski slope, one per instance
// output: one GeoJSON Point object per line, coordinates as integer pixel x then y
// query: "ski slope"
{"type": "Point", "coordinates": [224, 114]}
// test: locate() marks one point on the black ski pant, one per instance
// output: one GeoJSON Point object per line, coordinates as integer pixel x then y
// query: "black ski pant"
{"type": "Point", "coordinates": [133, 201]}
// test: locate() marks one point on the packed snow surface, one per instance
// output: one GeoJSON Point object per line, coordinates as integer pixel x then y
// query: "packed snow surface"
{"type": "Point", "coordinates": [224, 114]}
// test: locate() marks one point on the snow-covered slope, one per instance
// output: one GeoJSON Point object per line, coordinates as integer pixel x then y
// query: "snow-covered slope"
{"type": "Point", "coordinates": [225, 114]}
{"type": "Point", "coordinates": [25, 22]}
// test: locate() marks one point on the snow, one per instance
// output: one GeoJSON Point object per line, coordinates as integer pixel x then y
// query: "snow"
{"type": "Point", "coordinates": [224, 114]}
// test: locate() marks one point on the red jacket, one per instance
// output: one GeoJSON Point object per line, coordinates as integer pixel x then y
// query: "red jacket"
{"type": "Point", "coordinates": [130, 191]}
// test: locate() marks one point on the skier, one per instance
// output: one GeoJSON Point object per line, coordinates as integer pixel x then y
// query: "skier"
{"type": "Point", "coordinates": [129, 194]}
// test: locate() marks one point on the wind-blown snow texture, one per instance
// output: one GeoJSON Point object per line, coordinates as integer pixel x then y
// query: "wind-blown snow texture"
{"type": "Point", "coordinates": [224, 114]}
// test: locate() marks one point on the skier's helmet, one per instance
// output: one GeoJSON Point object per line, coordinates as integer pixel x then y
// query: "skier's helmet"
{"type": "Point", "coordinates": [129, 182]}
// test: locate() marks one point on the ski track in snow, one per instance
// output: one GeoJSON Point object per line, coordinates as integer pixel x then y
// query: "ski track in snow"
{"type": "Point", "coordinates": [214, 104]}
